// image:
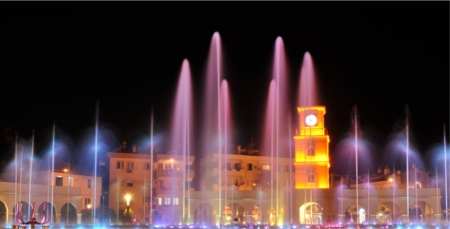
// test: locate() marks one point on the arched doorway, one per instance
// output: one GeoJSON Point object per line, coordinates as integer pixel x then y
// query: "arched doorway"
{"type": "Point", "coordinates": [421, 212]}
{"type": "Point", "coordinates": [203, 214]}
{"type": "Point", "coordinates": [26, 210]}
{"type": "Point", "coordinates": [355, 215]}
{"type": "Point", "coordinates": [50, 212]}
{"type": "Point", "coordinates": [3, 213]}
{"type": "Point", "coordinates": [311, 213]}
{"type": "Point", "coordinates": [256, 216]}
{"type": "Point", "coordinates": [231, 211]}
{"type": "Point", "coordinates": [68, 214]}
{"type": "Point", "coordinates": [389, 212]}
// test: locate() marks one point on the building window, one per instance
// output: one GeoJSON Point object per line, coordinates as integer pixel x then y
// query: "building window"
{"type": "Point", "coordinates": [175, 201]}
{"type": "Point", "coordinates": [129, 184]}
{"type": "Point", "coordinates": [120, 165]}
{"type": "Point", "coordinates": [311, 152]}
{"type": "Point", "coordinates": [293, 168]}
{"type": "Point", "coordinates": [228, 166]}
{"type": "Point", "coordinates": [159, 201]}
{"type": "Point", "coordinates": [167, 201]}
{"type": "Point", "coordinates": [160, 166]}
{"type": "Point", "coordinates": [146, 166]}
{"type": "Point", "coordinates": [286, 168]}
{"type": "Point", "coordinates": [249, 167]}
{"type": "Point", "coordinates": [89, 183]}
{"type": "Point", "coordinates": [237, 166]}
{"type": "Point", "coordinates": [266, 167]}
{"type": "Point", "coordinates": [59, 181]}
{"type": "Point", "coordinates": [70, 181]}
{"type": "Point", "coordinates": [311, 178]}
{"type": "Point", "coordinates": [130, 166]}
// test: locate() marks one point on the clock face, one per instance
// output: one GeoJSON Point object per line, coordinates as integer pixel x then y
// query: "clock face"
{"type": "Point", "coordinates": [311, 120]}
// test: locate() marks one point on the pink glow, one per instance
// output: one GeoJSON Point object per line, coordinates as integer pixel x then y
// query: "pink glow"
{"type": "Point", "coordinates": [307, 94]}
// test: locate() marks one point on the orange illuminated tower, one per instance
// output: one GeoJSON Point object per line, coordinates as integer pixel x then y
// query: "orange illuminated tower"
{"type": "Point", "coordinates": [311, 149]}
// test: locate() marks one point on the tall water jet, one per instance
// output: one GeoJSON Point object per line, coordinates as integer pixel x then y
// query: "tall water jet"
{"type": "Point", "coordinates": [95, 162]}
{"type": "Point", "coordinates": [15, 167]}
{"type": "Point", "coordinates": [407, 157]}
{"type": "Point", "coordinates": [226, 127]}
{"type": "Point", "coordinates": [181, 132]}
{"type": "Point", "coordinates": [151, 168]}
{"type": "Point", "coordinates": [211, 106]}
{"type": "Point", "coordinates": [307, 93]}
{"type": "Point", "coordinates": [212, 116]}
{"type": "Point", "coordinates": [291, 185]}
{"type": "Point", "coordinates": [355, 121]}
{"type": "Point", "coordinates": [53, 169]}
{"type": "Point", "coordinates": [30, 175]}
{"type": "Point", "coordinates": [269, 143]}
{"type": "Point", "coordinates": [446, 178]}
{"type": "Point", "coordinates": [307, 98]}
{"type": "Point", "coordinates": [276, 123]}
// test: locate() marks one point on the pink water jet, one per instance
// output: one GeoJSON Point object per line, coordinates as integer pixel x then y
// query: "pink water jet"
{"type": "Point", "coordinates": [215, 119]}
{"type": "Point", "coordinates": [182, 113]}
{"type": "Point", "coordinates": [211, 109]}
{"type": "Point", "coordinates": [307, 94]}
{"type": "Point", "coordinates": [181, 130]}
{"type": "Point", "coordinates": [226, 127]}
{"type": "Point", "coordinates": [275, 134]}
{"type": "Point", "coordinates": [226, 121]}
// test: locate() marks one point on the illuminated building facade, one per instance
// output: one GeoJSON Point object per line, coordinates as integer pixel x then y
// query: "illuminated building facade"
{"type": "Point", "coordinates": [311, 149]}
{"type": "Point", "coordinates": [73, 195]}
{"type": "Point", "coordinates": [130, 177]}
{"type": "Point", "coordinates": [256, 189]}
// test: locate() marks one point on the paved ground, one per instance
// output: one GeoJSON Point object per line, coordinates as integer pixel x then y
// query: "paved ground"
{"type": "Point", "coordinates": [440, 226]}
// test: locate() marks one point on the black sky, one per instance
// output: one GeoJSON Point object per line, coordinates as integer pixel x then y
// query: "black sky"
{"type": "Point", "coordinates": [58, 58]}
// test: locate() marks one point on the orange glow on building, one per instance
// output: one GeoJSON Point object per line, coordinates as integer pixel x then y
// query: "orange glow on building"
{"type": "Point", "coordinates": [312, 149]}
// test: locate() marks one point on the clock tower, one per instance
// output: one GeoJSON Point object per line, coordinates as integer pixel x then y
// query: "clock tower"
{"type": "Point", "coordinates": [311, 149]}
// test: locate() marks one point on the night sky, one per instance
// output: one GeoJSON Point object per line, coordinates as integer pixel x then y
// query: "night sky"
{"type": "Point", "coordinates": [57, 59]}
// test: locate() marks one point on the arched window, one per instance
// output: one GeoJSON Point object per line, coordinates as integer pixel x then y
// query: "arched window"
{"type": "Point", "coordinates": [311, 178]}
{"type": "Point", "coordinates": [311, 152]}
